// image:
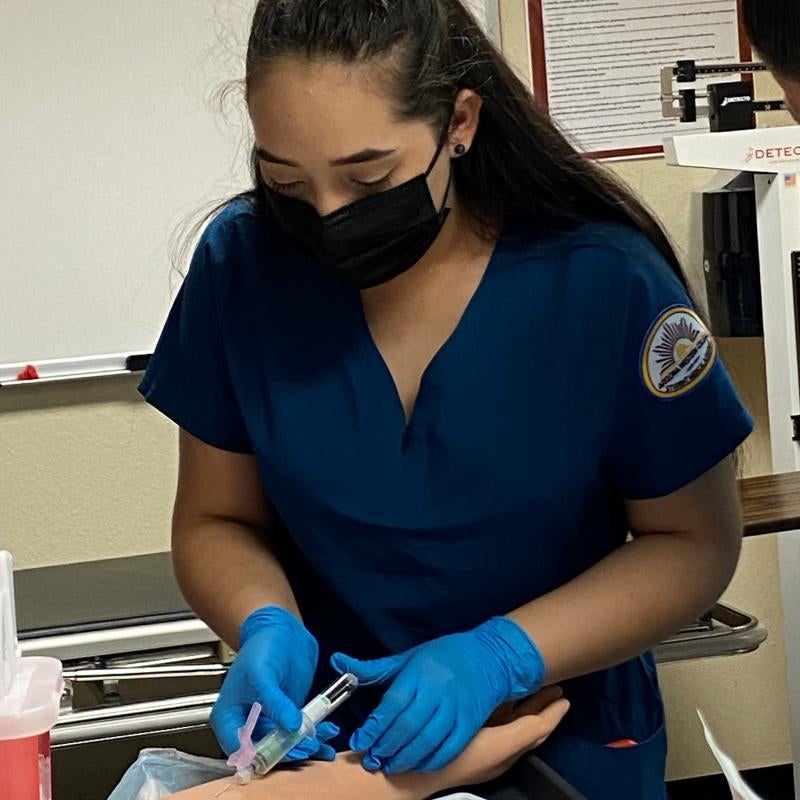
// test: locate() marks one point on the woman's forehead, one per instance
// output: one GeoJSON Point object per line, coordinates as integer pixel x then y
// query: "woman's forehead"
{"type": "Point", "coordinates": [299, 87]}
{"type": "Point", "coordinates": [328, 108]}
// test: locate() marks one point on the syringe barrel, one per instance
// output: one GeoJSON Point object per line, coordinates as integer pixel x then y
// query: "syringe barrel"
{"type": "Point", "coordinates": [274, 747]}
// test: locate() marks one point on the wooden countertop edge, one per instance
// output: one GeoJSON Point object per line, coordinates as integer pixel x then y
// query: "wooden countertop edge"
{"type": "Point", "coordinates": [770, 503]}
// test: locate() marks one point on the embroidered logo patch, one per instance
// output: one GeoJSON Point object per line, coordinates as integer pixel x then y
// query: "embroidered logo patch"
{"type": "Point", "coordinates": [678, 353]}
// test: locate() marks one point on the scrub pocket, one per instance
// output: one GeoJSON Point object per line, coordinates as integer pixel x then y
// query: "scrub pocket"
{"type": "Point", "coordinates": [621, 703]}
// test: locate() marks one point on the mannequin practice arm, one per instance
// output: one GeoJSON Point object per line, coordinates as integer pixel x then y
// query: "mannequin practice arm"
{"type": "Point", "coordinates": [492, 752]}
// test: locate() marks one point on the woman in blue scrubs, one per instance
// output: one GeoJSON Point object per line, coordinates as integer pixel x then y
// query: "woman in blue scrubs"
{"type": "Point", "coordinates": [429, 374]}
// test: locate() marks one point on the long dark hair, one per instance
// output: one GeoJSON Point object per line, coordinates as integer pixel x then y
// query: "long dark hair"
{"type": "Point", "coordinates": [521, 172]}
{"type": "Point", "coordinates": [774, 30]}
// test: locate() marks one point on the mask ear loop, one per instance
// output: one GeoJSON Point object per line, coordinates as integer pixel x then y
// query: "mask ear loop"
{"type": "Point", "coordinates": [442, 213]}
{"type": "Point", "coordinates": [439, 147]}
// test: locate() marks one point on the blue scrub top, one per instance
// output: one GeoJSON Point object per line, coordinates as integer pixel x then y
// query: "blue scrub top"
{"type": "Point", "coordinates": [578, 376]}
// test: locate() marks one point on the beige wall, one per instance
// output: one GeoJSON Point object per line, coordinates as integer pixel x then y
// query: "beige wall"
{"type": "Point", "coordinates": [88, 472]}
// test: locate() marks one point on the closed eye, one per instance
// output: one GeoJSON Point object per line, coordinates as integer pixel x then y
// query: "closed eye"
{"type": "Point", "coordinates": [372, 186]}
{"type": "Point", "coordinates": [283, 187]}
{"type": "Point", "coordinates": [379, 184]}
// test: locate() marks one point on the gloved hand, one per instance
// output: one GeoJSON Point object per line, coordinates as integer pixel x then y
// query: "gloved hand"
{"type": "Point", "coordinates": [442, 693]}
{"type": "Point", "coordinates": [275, 665]}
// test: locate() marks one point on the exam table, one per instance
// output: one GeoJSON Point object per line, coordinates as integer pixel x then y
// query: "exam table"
{"type": "Point", "coordinates": [129, 642]}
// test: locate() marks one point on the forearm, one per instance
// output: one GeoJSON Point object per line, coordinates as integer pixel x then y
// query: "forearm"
{"type": "Point", "coordinates": [344, 779]}
{"type": "Point", "coordinates": [640, 594]}
{"type": "Point", "coordinates": [226, 571]}
{"type": "Point", "coordinates": [490, 754]}
{"type": "Point", "coordinates": [347, 778]}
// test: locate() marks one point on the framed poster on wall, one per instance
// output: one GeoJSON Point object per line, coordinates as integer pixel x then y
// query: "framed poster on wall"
{"type": "Point", "coordinates": [596, 66]}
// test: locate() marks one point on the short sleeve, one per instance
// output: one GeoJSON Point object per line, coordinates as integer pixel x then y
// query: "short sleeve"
{"type": "Point", "coordinates": [676, 413]}
{"type": "Point", "coordinates": [188, 378]}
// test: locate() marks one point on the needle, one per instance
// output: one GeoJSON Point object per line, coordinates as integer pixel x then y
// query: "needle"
{"type": "Point", "coordinates": [222, 791]}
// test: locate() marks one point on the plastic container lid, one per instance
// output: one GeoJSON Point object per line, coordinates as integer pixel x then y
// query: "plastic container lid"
{"type": "Point", "coordinates": [30, 688]}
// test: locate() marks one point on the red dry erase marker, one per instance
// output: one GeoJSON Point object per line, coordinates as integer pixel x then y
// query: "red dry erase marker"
{"type": "Point", "coordinates": [28, 374]}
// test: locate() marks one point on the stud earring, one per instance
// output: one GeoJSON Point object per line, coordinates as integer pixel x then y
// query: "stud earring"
{"type": "Point", "coordinates": [461, 149]}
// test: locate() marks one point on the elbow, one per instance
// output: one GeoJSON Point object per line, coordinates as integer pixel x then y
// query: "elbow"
{"type": "Point", "coordinates": [722, 559]}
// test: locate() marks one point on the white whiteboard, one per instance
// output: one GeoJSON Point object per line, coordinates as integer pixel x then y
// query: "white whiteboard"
{"type": "Point", "coordinates": [108, 144]}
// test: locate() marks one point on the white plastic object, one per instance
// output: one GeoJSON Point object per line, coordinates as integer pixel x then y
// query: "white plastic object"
{"type": "Point", "coordinates": [160, 773]}
{"type": "Point", "coordinates": [30, 688]}
{"type": "Point", "coordinates": [739, 789]}
{"type": "Point", "coordinates": [9, 651]}
{"type": "Point", "coordinates": [461, 796]}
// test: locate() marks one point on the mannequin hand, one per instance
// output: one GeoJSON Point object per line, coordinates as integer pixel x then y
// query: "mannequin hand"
{"type": "Point", "coordinates": [441, 694]}
{"type": "Point", "coordinates": [497, 748]}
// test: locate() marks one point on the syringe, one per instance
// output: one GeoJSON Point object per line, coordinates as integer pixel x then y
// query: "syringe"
{"type": "Point", "coordinates": [271, 750]}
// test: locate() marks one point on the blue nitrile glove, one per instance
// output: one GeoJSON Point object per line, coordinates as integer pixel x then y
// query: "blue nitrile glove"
{"type": "Point", "coordinates": [441, 694]}
{"type": "Point", "coordinates": [275, 665]}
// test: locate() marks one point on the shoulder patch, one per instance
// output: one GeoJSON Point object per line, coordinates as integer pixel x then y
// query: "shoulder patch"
{"type": "Point", "coordinates": [678, 353]}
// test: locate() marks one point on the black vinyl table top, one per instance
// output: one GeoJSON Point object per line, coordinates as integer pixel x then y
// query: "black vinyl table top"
{"type": "Point", "coordinates": [97, 595]}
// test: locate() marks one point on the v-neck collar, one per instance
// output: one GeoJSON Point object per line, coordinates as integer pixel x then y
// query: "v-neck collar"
{"type": "Point", "coordinates": [407, 425]}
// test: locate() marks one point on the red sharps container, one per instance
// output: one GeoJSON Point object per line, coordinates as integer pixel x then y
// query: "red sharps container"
{"type": "Point", "coordinates": [30, 695]}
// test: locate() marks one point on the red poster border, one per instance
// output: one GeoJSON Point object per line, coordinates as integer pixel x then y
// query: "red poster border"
{"type": "Point", "coordinates": [539, 64]}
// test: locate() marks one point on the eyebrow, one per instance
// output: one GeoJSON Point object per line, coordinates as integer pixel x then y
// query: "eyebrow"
{"type": "Point", "coordinates": [370, 154]}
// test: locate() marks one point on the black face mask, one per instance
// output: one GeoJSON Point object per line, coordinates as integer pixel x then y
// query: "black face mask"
{"type": "Point", "coordinates": [371, 241]}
